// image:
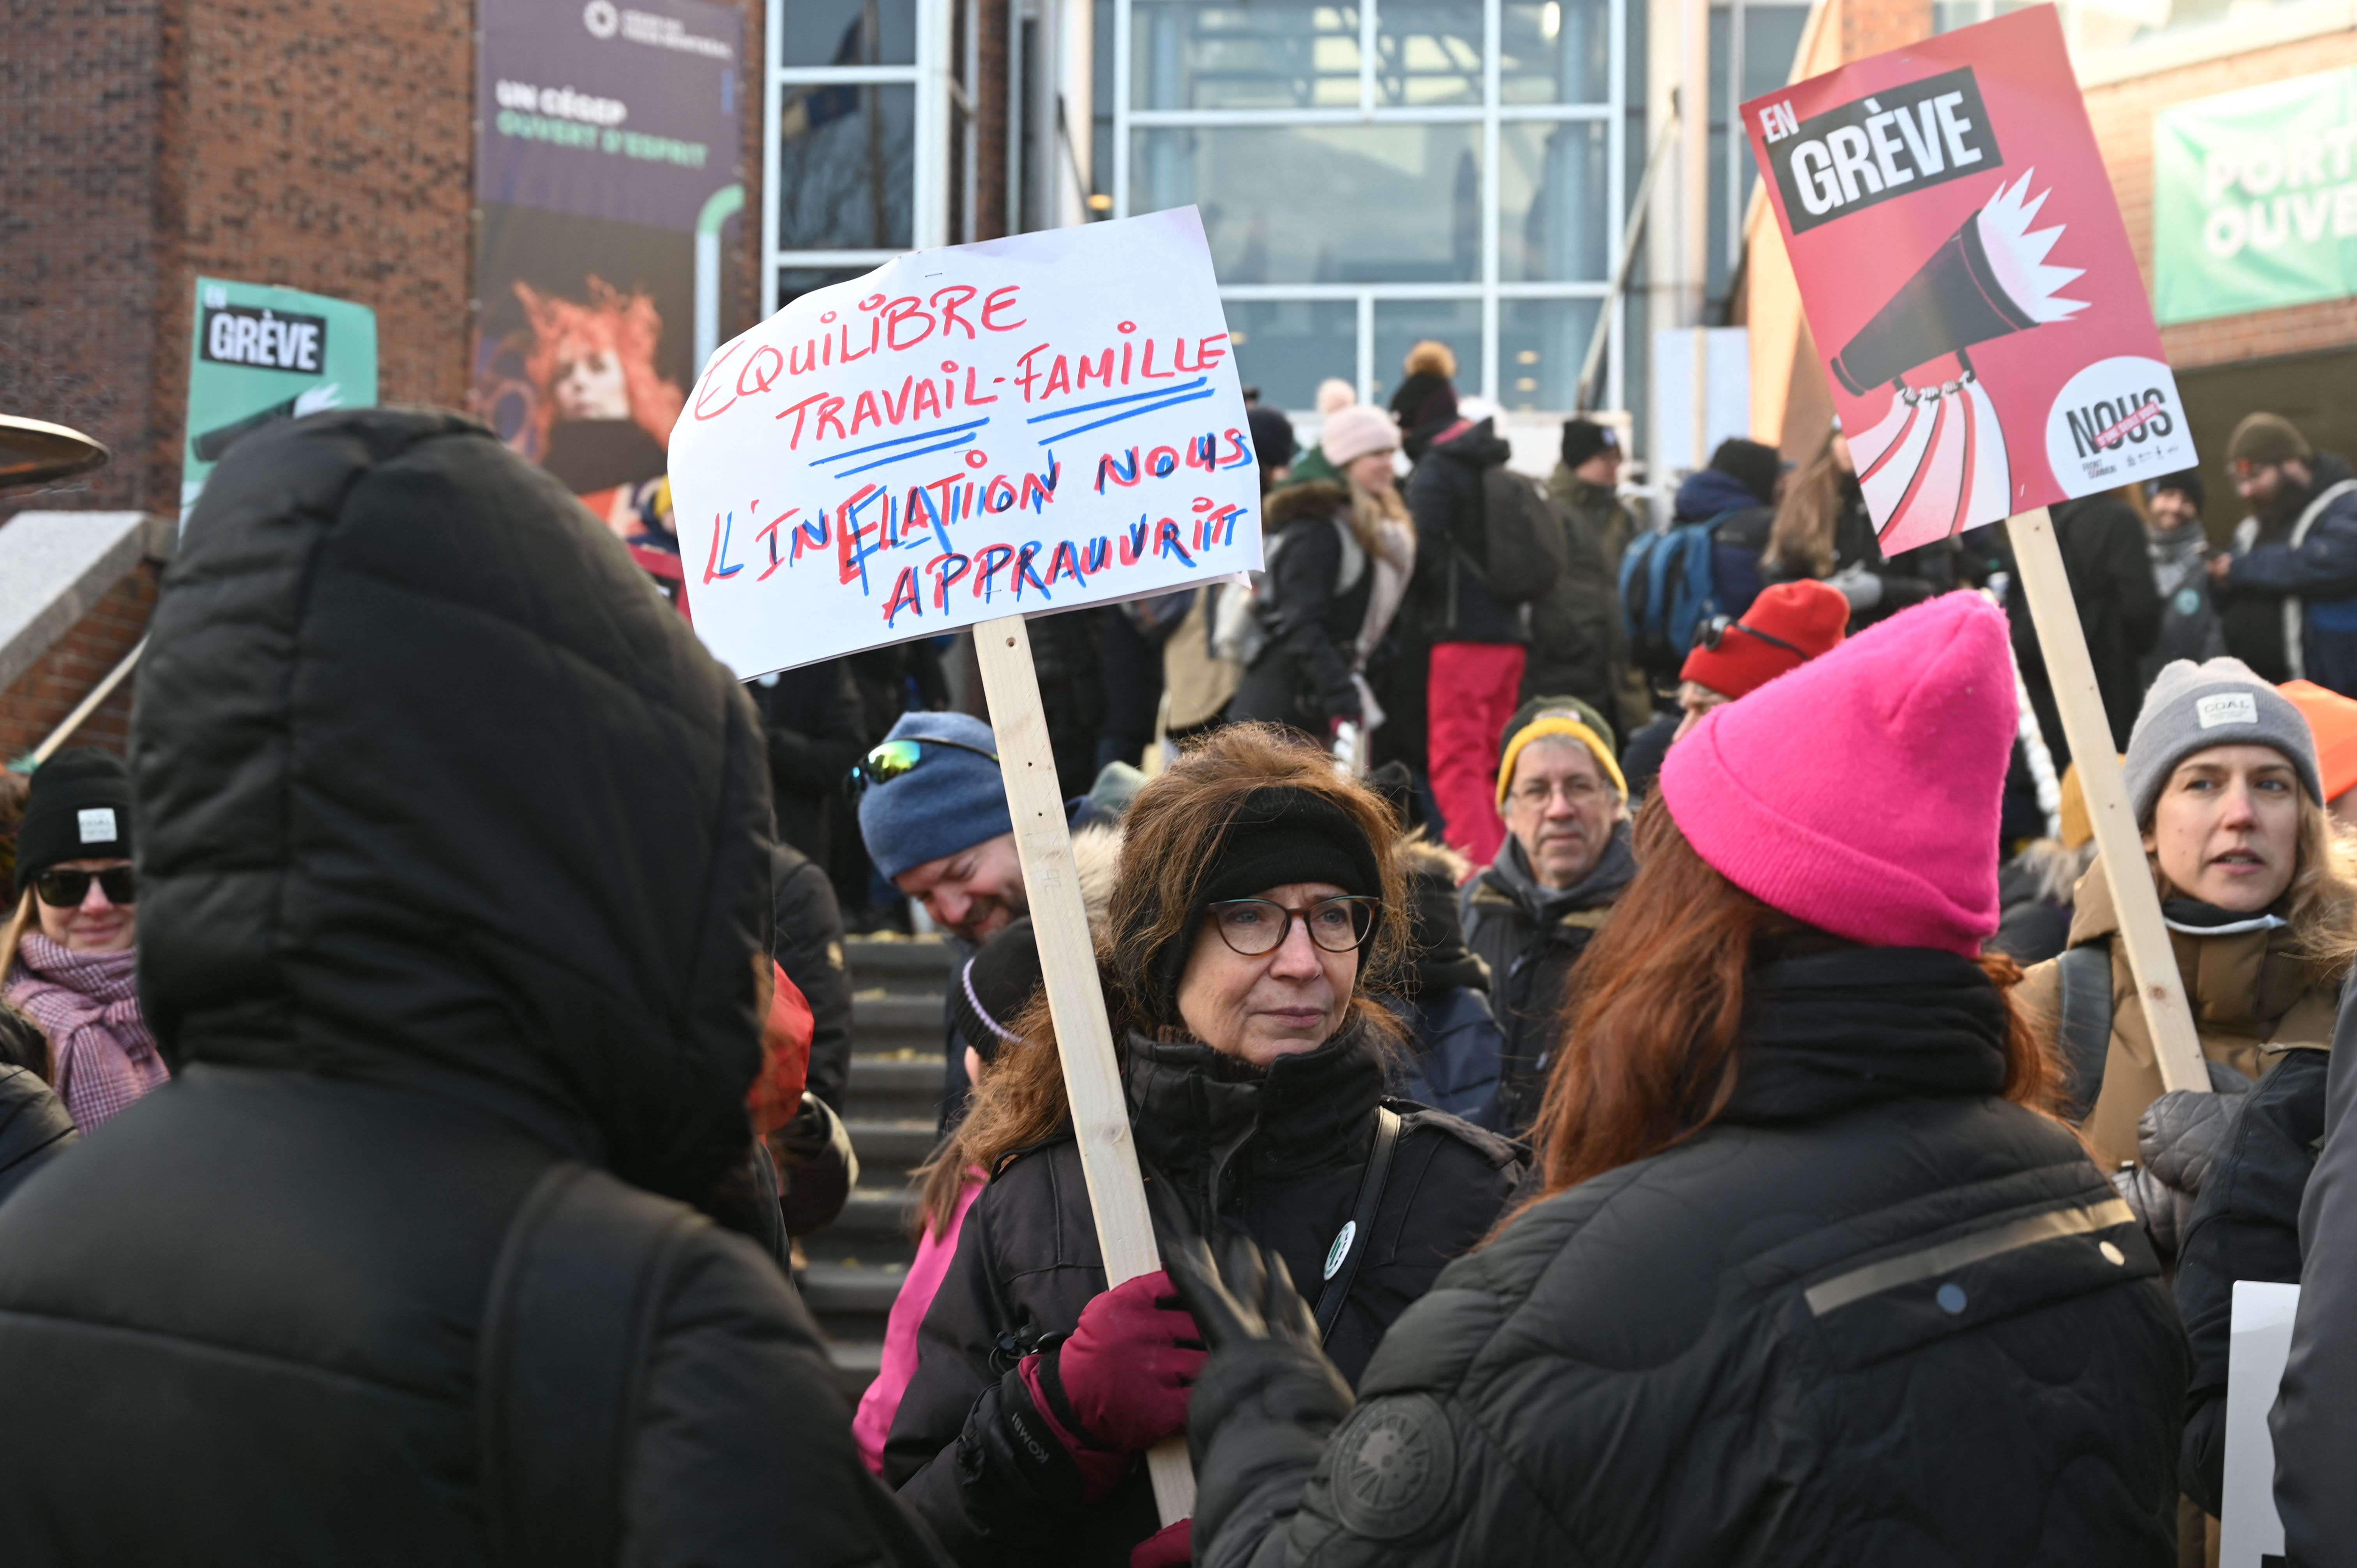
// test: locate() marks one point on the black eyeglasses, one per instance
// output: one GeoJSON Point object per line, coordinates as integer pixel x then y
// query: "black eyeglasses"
{"type": "Point", "coordinates": [1256, 926]}
{"type": "Point", "coordinates": [1715, 630]}
{"type": "Point", "coordinates": [893, 759]}
{"type": "Point", "coordinates": [67, 889]}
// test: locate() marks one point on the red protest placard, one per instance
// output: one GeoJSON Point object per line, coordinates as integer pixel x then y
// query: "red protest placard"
{"type": "Point", "coordinates": [1968, 280]}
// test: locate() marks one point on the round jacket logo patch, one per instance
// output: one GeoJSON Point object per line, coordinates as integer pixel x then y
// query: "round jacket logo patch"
{"type": "Point", "coordinates": [1394, 1467]}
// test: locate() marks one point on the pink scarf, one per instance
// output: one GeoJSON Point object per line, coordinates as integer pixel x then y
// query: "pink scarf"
{"type": "Point", "coordinates": [88, 1005]}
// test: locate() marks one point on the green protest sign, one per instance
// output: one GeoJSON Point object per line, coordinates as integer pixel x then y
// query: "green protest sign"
{"type": "Point", "coordinates": [2254, 199]}
{"type": "Point", "coordinates": [259, 354]}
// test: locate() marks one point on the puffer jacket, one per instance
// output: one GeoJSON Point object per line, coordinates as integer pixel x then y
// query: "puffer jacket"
{"type": "Point", "coordinates": [2314, 1422]}
{"type": "Point", "coordinates": [2253, 998]}
{"type": "Point", "coordinates": [1452, 540]}
{"type": "Point", "coordinates": [1316, 593]}
{"type": "Point", "coordinates": [1579, 647]}
{"type": "Point", "coordinates": [453, 847]}
{"type": "Point", "coordinates": [1455, 1044]}
{"type": "Point", "coordinates": [34, 1127]}
{"type": "Point", "coordinates": [1280, 1154]}
{"type": "Point", "coordinates": [1529, 936]}
{"type": "Point", "coordinates": [1872, 1314]}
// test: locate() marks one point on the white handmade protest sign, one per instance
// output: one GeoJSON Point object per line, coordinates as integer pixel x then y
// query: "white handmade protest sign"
{"type": "Point", "coordinates": [996, 429]}
{"type": "Point", "coordinates": [2251, 1533]}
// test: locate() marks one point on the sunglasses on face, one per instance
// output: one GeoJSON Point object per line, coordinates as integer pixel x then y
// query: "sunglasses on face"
{"type": "Point", "coordinates": [1715, 630]}
{"type": "Point", "coordinates": [67, 889]}
{"type": "Point", "coordinates": [1255, 926]}
{"type": "Point", "coordinates": [895, 757]}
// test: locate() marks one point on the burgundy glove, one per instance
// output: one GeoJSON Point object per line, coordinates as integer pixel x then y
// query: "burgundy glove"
{"type": "Point", "coordinates": [1172, 1546]}
{"type": "Point", "coordinates": [1119, 1384]}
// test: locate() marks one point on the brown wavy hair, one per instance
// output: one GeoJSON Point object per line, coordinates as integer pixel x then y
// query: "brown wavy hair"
{"type": "Point", "coordinates": [1172, 837]}
{"type": "Point", "coordinates": [1650, 1054]}
{"type": "Point", "coordinates": [1801, 541]}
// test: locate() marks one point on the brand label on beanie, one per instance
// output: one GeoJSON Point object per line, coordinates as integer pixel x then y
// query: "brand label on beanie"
{"type": "Point", "coordinates": [97, 824]}
{"type": "Point", "coordinates": [2227, 708]}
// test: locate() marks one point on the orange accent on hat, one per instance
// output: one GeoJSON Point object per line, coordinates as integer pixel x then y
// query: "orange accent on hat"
{"type": "Point", "coordinates": [2333, 718]}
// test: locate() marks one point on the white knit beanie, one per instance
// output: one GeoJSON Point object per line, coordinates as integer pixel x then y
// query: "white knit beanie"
{"type": "Point", "coordinates": [1353, 432]}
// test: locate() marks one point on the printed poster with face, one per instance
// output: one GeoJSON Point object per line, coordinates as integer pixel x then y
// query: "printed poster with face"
{"type": "Point", "coordinates": [1019, 426]}
{"type": "Point", "coordinates": [607, 258]}
{"type": "Point", "coordinates": [1968, 280]}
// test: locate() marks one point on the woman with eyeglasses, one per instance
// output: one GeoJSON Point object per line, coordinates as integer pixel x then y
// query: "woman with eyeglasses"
{"type": "Point", "coordinates": [1258, 906]}
{"type": "Point", "coordinates": [68, 952]}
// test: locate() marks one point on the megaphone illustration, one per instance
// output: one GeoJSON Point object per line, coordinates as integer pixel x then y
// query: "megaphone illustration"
{"type": "Point", "coordinates": [1936, 463]}
{"type": "Point", "coordinates": [1988, 280]}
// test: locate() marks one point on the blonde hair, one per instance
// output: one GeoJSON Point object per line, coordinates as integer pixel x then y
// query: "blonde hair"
{"type": "Point", "coordinates": [2320, 904]}
{"type": "Point", "coordinates": [1802, 539]}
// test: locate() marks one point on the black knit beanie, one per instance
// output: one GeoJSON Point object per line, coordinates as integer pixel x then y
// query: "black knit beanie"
{"type": "Point", "coordinates": [79, 809]}
{"type": "Point", "coordinates": [994, 986]}
{"type": "Point", "coordinates": [1751, 463]}
{"type": "Point", "coordinates": [1278, 835]}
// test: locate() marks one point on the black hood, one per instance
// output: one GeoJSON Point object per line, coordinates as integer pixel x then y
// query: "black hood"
{"type": "Point", "coordinates": [436, 793]}
{"type": "Point", "coordinates": [1479, 447]}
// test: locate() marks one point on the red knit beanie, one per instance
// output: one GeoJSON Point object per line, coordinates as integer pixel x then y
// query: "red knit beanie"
{"type": "Point", "coordinates": [1860, 792]}
{"type": "Point", "coordinates": [1807, 614]}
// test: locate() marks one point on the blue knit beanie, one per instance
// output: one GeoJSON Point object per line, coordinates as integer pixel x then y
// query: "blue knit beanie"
{"type": "Point", "coordinates": [952, 799]}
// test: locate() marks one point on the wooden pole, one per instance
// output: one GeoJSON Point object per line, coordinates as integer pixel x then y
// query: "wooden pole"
{"type": "Point", "coordinates": [1068, 967]}
{"type": "Point", "coordinates": [2151, 959]}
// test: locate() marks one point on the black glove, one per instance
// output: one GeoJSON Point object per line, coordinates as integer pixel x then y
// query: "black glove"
{"type": "Point", "coordinates": [2178, 1138]}
{"type": "Point", "coordinates": [1252, 1299]}
{"type": "Point", "coordinates": [817, 1166]}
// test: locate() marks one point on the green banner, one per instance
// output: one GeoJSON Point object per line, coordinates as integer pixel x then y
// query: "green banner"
{"type": "Point", "coordinates": [259, 354]}
{"type": "Point", "coordinates": [2254, 199]}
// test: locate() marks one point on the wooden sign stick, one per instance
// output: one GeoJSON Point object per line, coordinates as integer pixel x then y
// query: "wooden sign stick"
{"type": "Point", "coordinates": [2151, 959]}
{"type": "Point", "coordinates": [1068, 968]}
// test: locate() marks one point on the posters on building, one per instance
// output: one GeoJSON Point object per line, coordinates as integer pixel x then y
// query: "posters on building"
{"type": "Point", "coordinates": [2254, 199]}
{"type": "Point", "coordinates": [1968, 280]}
{"type": "Point", "coordinates": [259, 354]}
{"type": "Point", "coordinates": [1019, 426]}
{"type": "Point", "coordinates": [608, 172]}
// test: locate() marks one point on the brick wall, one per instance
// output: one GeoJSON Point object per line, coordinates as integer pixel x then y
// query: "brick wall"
{"type": "Point", "coordinates": [80, 117]}
{"type": "Point", "coordinates": [2122, 113]}
{"type": "Point", "coordinates": [45, 693]}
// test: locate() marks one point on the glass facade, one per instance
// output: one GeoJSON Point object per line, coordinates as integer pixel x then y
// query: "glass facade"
{"type": "Point", "coordinates": [1377, 172]}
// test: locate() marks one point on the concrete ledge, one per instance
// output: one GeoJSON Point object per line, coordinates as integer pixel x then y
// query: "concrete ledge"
{"type": "Point", "coordinates": [54, 565]}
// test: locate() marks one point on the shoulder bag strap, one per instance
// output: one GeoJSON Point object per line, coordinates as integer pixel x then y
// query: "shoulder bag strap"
{"type": "Point", "coordinates": [2084, 1029]}
{"type": "Point", "coordinates": [1358, 1231]}
{"type": "Point", "coordinates": [567, 1327]}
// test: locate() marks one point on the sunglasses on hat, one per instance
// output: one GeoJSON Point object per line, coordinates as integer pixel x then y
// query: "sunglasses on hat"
{"type": "Point", "coordinates": [67, 889]}
{"type": "Point", "coordinates": [1715, 630]}
{"type": "Point", "coordinates": [895, 757]}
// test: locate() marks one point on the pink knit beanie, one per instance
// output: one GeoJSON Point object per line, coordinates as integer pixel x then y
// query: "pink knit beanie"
{"type": "Point", "coordinates": [1352, 433]}
{"type": "Point", "coordinates": [1860, 792]}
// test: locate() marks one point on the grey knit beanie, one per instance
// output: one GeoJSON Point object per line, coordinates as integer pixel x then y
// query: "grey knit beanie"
{"type": "Point", "coordinates": [2219, 703]}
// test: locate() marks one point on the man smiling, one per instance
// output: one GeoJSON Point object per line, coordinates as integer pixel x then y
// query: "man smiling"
{"type": "Point", "coordinates": [1566, 859]}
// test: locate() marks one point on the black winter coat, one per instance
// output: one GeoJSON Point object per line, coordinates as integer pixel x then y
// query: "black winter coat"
{"type": "Point", "coordinates": [1579, 647]}
{"type": "Point", "coordinates": [1873, 1314]}
{"type": "Point", "coordinates": [1452, 542]}
{"type": "Point", "coordinates": [807, 943]}
{"type": "Point", "coordinates": [34, 1127]}
{"type": "Point", "coordinates": [816, 730]}
{"type": "Point", "coordinates": [2314, 1422]}
{"type": "Point", "coordinates": [2110, 571]}
{"type": "Point", "coordinates": [1280, 1154]}
{"type": "Point", "coordinates": [2245, 1226]}
{"type": "Point", "coordinates": [454, 845]}
{"type": "Point", "coordinates": [1302, 677]}
{"type": "Point", "coordinates": [1529, 936]}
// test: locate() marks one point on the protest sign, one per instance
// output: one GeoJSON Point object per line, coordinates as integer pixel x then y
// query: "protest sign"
{"type": "Point", "coordinates": [996, 429]}
{"type": "Point", "coordinates": [259, 354]}
{"type": "Point", "coordinates": [1971, 387]}
{"type": "Point", "coordinates": [2250, 1532]}
{"type": "Point", "coordinates": [2254, 199]}
{"type": "Point", "coordinates": [1968, 280]}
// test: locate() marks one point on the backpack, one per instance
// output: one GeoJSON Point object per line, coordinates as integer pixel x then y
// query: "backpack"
{"type": "Point", "coordinates": [1674, 580]}
{"type": "Point", "coordinates": [1248, 616]}
{"type": "Point", "coordinates": [1527, 544]}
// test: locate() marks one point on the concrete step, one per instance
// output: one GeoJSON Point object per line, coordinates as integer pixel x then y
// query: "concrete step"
{"type": "Point", "coordinates": [885, 1023]}
{"type": "Point", "coordinates": [876, 1212]}
{"type": "Point", "coordinates": [856, 1365]}
{"type": "Point", "coordinates": [903, 1087]}
{"type": "Point", "coordinates": [911, 964]}
{"type": "Point", "coordinates": [890, 1147]}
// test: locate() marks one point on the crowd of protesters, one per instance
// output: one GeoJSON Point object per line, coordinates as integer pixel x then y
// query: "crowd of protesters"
{"type": "Point", "coordinates": [1624, 1029]}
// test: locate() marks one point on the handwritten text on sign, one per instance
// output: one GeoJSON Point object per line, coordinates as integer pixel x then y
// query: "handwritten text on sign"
{"type": "Point", "coordinates": [1021, 426]}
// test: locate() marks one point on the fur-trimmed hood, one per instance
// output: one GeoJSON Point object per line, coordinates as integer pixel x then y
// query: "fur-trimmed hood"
{"type": "Point", "coordinates": [1317, 502]}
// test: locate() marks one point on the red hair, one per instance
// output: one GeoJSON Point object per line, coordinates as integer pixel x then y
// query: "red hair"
{"type": "Point", "coordinates": [625, 326]}
{"type": "Point", "coordinates": [1650, 1054]}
